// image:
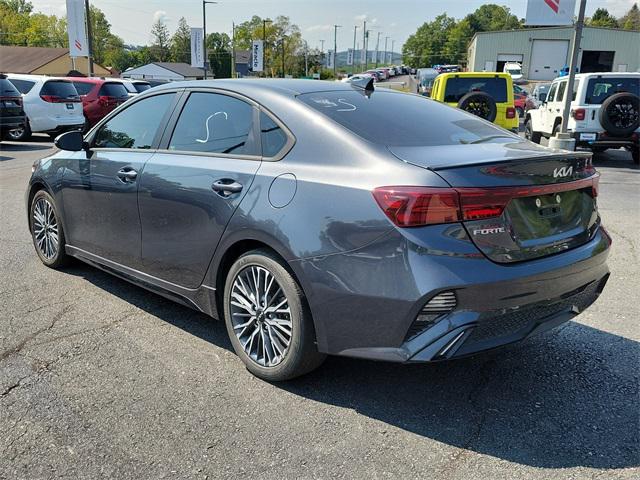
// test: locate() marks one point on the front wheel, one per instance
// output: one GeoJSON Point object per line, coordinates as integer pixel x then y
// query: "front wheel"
{"type": "Point", "coordinates": [529, 134]}
{"type": "Point", "coordinates": [46, 230]}
{"type": "Point", "coordinates": [267, 318]}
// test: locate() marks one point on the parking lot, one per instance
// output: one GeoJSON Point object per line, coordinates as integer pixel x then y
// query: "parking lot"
{"type": "Point", "coordinates": [101, 379]}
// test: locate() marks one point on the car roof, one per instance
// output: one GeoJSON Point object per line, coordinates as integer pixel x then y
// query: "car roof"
{"type": "Point", "coordinates": [475, 74]}
{"type": "Point", "coordinates": [35, 78]}
{"type": "Point", "coordinates": [601, 74]}
{"type": "Point", "coordinates": [95, 80]}
{"type": "Point", "coordinates": [282, 86]}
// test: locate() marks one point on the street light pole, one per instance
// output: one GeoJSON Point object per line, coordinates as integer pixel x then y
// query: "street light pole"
{"type": "Point", "coordinates": [386, 39]}
{"type": "Point", "coordinates": [335, 49]}
{"type": "Point", "coordinates": [363, 60]}
{"type": "Point", "coordinates": [204, 34]}
{"type": "Point", "coordinates": [577, 35]}
{"type": "Point", "coordinates": [377, 48]}
{"type": "Point", "coordinates": [353, 66]}
{"type": "Point", "coordinates": [89, 39]}
{"type": "Point", "coordinates": [393, 42]}
{"type": "Point", "coordinates": [264, 45]}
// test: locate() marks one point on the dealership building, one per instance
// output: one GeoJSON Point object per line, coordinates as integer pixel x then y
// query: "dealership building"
{"type": "Point", "coordinates": [543, 52]}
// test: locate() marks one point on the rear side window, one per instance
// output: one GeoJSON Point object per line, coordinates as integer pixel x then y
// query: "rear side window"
{"type": "Point", "coordinates": [59, 88]}
{"type": "Point", "coordinates": [215, 123]}
{"type": "Point", "coordinates": [7, 89]}
{"type": "Point", "coordinates": [273, 137]}
{"type": "Point", "coordinates": [599, 89]}
{"type": "Point", "coordinates": [136, 126]}
{"type": "Point", "coordinates": [83, 88]}
{"type": "Point", "coordinates": [23, 86]}
{"type": "Point", "coordinates": [410, 120]}
{"type": "Point", "coordinates": [113, 90]}
{"type": "Point", "coordinates": [458, 87]}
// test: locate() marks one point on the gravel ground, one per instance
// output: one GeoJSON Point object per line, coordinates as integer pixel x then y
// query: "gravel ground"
{"type": "Point", "coordinates": [101, 379]}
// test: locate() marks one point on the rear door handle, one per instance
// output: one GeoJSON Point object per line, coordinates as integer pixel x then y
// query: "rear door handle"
{"type": "Point", "coordinates": [127, 174]}
{"type": "Point", "coordinates": [226, 187]}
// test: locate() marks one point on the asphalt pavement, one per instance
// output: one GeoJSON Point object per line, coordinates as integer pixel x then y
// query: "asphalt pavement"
{"type": "Point", "coordinates": [101, 379]}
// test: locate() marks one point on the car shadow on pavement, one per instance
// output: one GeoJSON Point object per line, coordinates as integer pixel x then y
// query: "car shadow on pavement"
{"type": "Point", "coordinates": [19, 147]}
{"type": "Point", "coordinates": [566, 398]}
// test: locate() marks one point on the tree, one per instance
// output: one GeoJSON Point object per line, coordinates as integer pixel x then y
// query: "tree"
{"type": "Point", "coordinates": [219, 51]}
{"type": "Point", "coordinates": [631, 20]}
{"type": "Point", "coordinates": [602, 18]}
{"type": "Point", "coordinates": [161, 41]}
{"type": "Point", "coordinates": [492, 17]}
{"type": "Point", "coordinates": [427, 45]}
{"type": "Point", "coordinates": [181, 42]}
{"type": "Point", "coordinates": [458, 39]}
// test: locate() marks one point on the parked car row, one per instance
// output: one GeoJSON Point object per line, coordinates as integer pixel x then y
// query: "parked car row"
{"type": "Point", "coordinates": [380, 74]}
{"type": "Point", "coordinates": [54, 105]}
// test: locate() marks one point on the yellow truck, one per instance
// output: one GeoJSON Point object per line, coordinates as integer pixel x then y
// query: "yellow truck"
{"type": "Point", "coordinates": [488, 95]}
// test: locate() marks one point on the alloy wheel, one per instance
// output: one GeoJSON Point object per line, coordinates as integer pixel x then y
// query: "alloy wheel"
{"type": "Point", "coordinates": [16, 133]}
{"type": "Point", "coordinates": [479, 108]}
{"type": "Point", "coordinates": [45, 228]}
{"type": "Point", "coordinates": [622, 114]}
{"type": "Point", "coordinates": [260, 316]}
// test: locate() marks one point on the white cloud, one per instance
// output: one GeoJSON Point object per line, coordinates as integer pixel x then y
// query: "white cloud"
{"type": "Point", "coordinates": [160, 15]}
{"type": "Point", "coordinates": [319, 28]}
{"type": "Point", "coordinates": [617, 8]}
{"type": "Point", "coordinates": [361, 18]}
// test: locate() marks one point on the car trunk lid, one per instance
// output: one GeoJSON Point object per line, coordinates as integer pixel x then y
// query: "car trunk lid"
{"type": "Point", "coordinates": [518, 201]}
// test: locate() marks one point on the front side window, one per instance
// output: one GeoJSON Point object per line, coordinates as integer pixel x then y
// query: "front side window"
{"type": "Point", "coordinates": [136, 126]}
{"type": "Point", "coordinates": [215, 123]}
{"type": "Point", "coordinates": [561, 88]}
{"type": "Point", "coordinates": [273, 137]}
{"type": "Point", "coordinates": [552, 92]}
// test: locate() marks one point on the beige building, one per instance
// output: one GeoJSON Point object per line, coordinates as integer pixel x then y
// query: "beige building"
{"type": "Point", "coordinates": [44, 61]}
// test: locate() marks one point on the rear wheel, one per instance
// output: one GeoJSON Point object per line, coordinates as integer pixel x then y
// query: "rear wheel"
{"type": "Point", "coordinates": [529, 134]}
{"type": "Point", "coordinates": [480, 104]}
{"type": "Point", "coordinates": [19, 134]}
{"type": "Point", "coordinates": [267, 318]}
{"type": "Point", "coordinates": [46, 230]}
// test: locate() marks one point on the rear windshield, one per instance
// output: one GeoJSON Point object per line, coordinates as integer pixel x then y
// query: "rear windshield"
{"type": "Point", "coordinates": [7, 89]}
{"type": "Point", "coordinates": [141, 87]}
{"type": "Point", "coordinates": [113, 90]}
{"type": "Point", "coordinates": [599, 89]}
{"type": "Point", "coordinates": [409, 120]}
{"type": "Point", "coordinates": [458, 87]}
{"type": "Point", "coordinates": [83, 88]}
{"type": "Point", "coordinates": [59, 88]}
{"type": "Point", "coordinates": [23, 86]}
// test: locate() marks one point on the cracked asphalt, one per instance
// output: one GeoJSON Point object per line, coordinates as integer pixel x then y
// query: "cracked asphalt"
{"type": "Point", "coordinates": [101, 379]}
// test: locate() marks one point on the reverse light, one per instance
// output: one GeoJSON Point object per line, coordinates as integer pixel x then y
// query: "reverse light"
{"type": "Point", "coordinates": [511, 112]}
{"type": "Point", "coordinates": [579, 114]}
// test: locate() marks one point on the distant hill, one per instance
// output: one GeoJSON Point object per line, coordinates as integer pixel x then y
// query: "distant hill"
{"type": "Point", "coordinates": [342, 58]}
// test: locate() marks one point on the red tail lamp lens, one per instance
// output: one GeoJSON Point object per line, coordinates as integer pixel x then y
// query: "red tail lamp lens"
{"type": "Point", "coordinates": [414, 206]}
{"type": "Point", "coordinates": [511, 112]}
{"type": "Point", "coordinates": [578, 114]}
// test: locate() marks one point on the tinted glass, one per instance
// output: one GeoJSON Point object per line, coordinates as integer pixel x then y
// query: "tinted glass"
{"type": "Point", "coordinates": [141, 87]}
{"type": "Point", "coordinates": [23, 86]}
{"type": "Point", "coordinates": [7, 89]}
{"type": "Point", "coordinates": [599, 89]}
{"type": "Point", "coordinates": [561, 88]}
{"type": "Point", "coordinates": [458, 87]}
{"type": "Point", "coordinates": [215, 123]}
{"type": "Point", "coordinates": [410, 120]}
{"type": "Point", "coordinates": [136, 126]}
{"type": "Point", "coordinates": [113, 90]}
{"type": "Point", "coordinates": [552, 92]}
{"type": "Point", "coordinates": [59, 89]}
{"type": "Point", "coordinates": [83, 88]}
{"type": "Point", "coordinates": [273, 137]}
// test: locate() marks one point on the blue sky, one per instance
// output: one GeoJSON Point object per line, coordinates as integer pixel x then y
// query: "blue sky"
{"type": "Point", "coordinates": [397, 19]}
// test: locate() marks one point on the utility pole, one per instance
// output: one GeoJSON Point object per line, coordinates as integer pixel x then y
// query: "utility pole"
{"type": "Point", "coordinates": [321, 54]}
{"type": "Point", "coordinates": [363, 59]}
{"type": "Point", "coordinates": [353, 66]}
{"type": "Point", "coordinates": [89, 39]}
{"type": "Point", "coordinates": [393, 42]}
{"type": "Point", "coordinates": [283, 53]}
{"type": "Point", "coordinates": [233, 49]}
{"type": "Point", "coordinates": [366, 49]}
{"type": "Point", "coordinates": [386, 39]}
{"type": "Point", "coordinates": [377, 48]}
{"type": "Point", "coordinates": [335, 49]}
{"type": "Point", "coordinates": [306, 59]}
{"type": "Point", "coordinates": [264, 46]}
{"type": "Point", "coordinates": [204, 34]}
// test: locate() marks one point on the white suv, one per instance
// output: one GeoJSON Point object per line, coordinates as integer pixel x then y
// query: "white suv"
{"type": "Point", "coordinates": [604, 112]}
{"type": "Point", "coordinates": [52, 105]}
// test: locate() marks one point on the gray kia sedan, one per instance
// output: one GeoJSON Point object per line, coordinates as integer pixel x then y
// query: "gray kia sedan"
{"type": "Point", "coordinates": [287, 209]}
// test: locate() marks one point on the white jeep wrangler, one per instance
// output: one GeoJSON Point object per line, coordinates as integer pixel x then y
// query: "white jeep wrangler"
{"type": "Point", "coordinates": [604, 112]}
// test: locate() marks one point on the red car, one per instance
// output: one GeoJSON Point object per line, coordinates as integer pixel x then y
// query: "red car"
{"type": "Point", "coordinates": [520, 102]}
{"type": "Point", "coordinates": [99, 96]}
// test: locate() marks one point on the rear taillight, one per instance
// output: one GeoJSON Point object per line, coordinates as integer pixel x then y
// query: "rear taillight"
{"type": "Point", "coordinates": [511, 112]}
{"type": "Point", "coordinates": [578, 114]}
{"type": "Point", "coordinates": [17, 100]}
{"type": "Point", "coordinates": [51, 98]}
{"type": "Point", "coordinates": [420, 206]}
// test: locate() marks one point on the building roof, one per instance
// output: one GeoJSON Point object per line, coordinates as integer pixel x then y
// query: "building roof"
{"type": "Point", "coordinates": [27, 59]}
{"type": "Point", "coordinates": [180, 68]}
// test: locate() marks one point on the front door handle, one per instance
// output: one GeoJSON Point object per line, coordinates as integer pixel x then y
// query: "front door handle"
{"type": "Point", "coordinates": [226, 187]}
{"type": "Point", "coordinates": [127, 174]}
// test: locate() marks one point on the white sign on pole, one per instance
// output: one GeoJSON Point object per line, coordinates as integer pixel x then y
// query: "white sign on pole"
{"type": "Point", "coordinates": [350, 56]}
{"type": "Point", "coordinates": [257, 56]}
{"type": "Point", "coordinates": [550, 12]}
{"type": "Point", "coordinates": [363, 56]}
{"type": "Point", "coordinates": [197, 54]}
{"type": "Point", "coordinates": [77, 29]}
{"type": "Point", "coordinates": [330, 59]}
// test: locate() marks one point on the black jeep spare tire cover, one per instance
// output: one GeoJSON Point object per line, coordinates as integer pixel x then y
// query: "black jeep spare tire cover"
{"type": "Point", "coordinates": [480, 104]}
{"type": "Point", "coordinates": [619, 114]}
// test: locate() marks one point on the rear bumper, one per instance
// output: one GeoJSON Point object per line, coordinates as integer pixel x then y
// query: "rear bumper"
{"type": "Point", "coordinates": [605, 141]}
{"type": "Point", "coordinates": [365, 302]}
{"type": "Point", "coordinates": [11, 122]}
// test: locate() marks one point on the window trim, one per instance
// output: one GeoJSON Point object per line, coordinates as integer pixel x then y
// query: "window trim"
{"type": "Point", "coordinates": [91, 136]}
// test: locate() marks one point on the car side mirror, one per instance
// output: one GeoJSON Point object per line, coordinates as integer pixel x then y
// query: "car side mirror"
{"type": "Point", "coordinates": [72, 141]}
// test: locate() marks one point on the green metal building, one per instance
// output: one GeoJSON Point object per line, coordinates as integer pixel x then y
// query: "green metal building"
{"type": "Point", "coordinates": [543, 52]}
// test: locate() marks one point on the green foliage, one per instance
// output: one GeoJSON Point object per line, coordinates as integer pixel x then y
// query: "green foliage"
{"type": "Point", "coordinates": [631, 20]}
{"type": "Point", "coordinates": [181, 42]}
{"type": "Point", "coordinates": [602, 18]}
{"type": "Point", "coordinates": [161, 42]}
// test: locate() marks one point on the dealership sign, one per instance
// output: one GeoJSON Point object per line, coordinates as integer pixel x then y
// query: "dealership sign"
{"type": "Point", "coordinates": [350, 56]}
{"type": "Point", "coordinates": [76, 29]}
{"type": "Point", "coordinates": [550, 12]}
{"type": "Point", "coordinates": [257, 56]}
{"type": "Point", "coordinates": [197, 54]}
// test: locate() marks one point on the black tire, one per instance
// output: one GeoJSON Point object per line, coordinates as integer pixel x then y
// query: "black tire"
{"type": "Point", "coordinates": [301, 356]}
{"type": "Point", "coordinates": [19, 134]}
{"type": "Point", "coordinates": [529, 134]}
{"type": "Point", "coordinates": [620, 114]}
{"type": "Point", "coordinates": [480, 104]}
{"type": "Point", "coordinates": [60, 257]}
